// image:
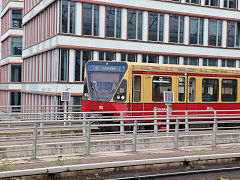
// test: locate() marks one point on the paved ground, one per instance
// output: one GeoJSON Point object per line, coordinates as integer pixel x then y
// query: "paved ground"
{"type": "Point", "coordinates": [119, 156]}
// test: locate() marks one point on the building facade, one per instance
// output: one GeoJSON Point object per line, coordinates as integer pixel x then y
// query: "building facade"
{"type": "Point", "coordinates": [11, 52]}
{"type": "Point", "coordinates": [60, 36]}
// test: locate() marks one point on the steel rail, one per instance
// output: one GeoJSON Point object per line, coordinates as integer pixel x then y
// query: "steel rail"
{"type": "Point", "coordinates": [183, 173]}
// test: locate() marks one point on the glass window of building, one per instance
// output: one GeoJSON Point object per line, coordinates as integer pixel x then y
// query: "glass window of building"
{"type": "Point", "coordinates": [191, 61]}
{"type": "Point", "coordinates": [209, 62]}
{"type": "Point", "coordinates": [113, 28]}
{"type": "Point", "coordinates": [228, 63]}
{"type": "Point", "coordinates": [215, 32]}
{"type": "Point", "coordinates": [16, 18]}
{"type": "Point", "coordinates": [233, 34]}
{"type": "Point", "coordinates": [16, 72]}
{"type": "Point", "coordinates": [15, 99]}
{"type": "Point", "coordinates": [149, 58]}
{"type": "Point", "coordinates": [108, 56]}
{"type": "Point", "coordinates": [196, 30]}
{"type": "Point", "coordinates": [229, 90]}
{"type": "Point", "coordinates": [159, 85]}
{"type": "Point", "coordinates": [68, 17]}
{"type": "Point", "coordinates": [131, 57]}
{"type": "Point", "coordinates": [16, 45]}
{"type": "Point", "coordinates": [81, 59]}
{"type": "Point", "coordinates": [63, 65]}
{"type": "Point", "coordinates": [134, 24]}
{"type": "Point", "coordinates": [156, 22]}
{"type": "Point", "coordinates": [211, 2]}
{"type": "Point", "coordinates": [192, 1]}
{"type": "Point", "coordinates": [170, 60]}
{"type": "Point", "coordinates": [230, 4]}
{"type": "Point", "coordinates": [90, 19]}
{"type": "Point", "coordinates": [210, 90]}
{"type": "Point", "coordinates": [176, 28]}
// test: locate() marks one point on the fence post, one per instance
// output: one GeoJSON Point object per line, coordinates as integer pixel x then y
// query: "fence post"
{"type": "Point", "coordinates": [34, 145]}
{"type": "Point", "coordinates": [215, 127]}
{"type": "Point", "coordinates": [186, 122]}
{"type": "Point", "coordinates": [155, 123]}
{"type": "Point", "coordinates": [135, 136]}
{"type": "Point", "coordinates": [121, 124]}
{"type": "Point", "coordinates": [84, 124]}
{"type": "Point", "coordinates": [176, 134]}
{"type": "Point", "coordinates": [88, 134]}
{"type": "Point", "coordinates": [41, 130]}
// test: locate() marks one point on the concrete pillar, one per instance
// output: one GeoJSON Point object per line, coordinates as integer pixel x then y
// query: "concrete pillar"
{"type": "Point", "coordinates": [139, 57]}
{"type": "Point", "coordinates": [102, 21]}
{"type": "Point", "coordinates": [221, 3]}
{"type": "Point", "coordinates": [224, 33]}
{"type": "Point", "coordinates": [118, 56]}
{"type": "Point", "coordinates": [71, 65]}
{"type": "Point", "coordinates": [219, 62]}
{"type": "Point", "coordinates": [181, 61]}
{"type": "Point", "coordinates": [200, 61]}
{"type": "Point", "coordinates": [205, 32]}
{"type": "Point", "coordinates": [166, 29]}
{"type": "Point", "coordinates": [145, 26]}
{"type": "Point", "coordinates": [160, 59]}
{"type": "Point", "coordinates": [79, 19]}
{"type": "Point", "coordinates": [95, 55]}
{"type": "Point", "coordinates": [124, 24]}
{"type": "Point", "coordinates": [237, 64]}
{"type": "Point", "coordinates": [202, 3]}
{"type": "Point", "coordinates": [186, 30]}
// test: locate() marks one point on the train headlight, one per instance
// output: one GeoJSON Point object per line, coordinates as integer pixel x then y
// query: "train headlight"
{"type": "Point", "coordinates": [121, 94]}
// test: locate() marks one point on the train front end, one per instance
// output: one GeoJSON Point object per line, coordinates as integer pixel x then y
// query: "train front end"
{"type": "Point", "coordinates": [105, 86]}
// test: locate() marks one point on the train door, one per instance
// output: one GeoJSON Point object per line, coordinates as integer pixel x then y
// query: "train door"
{"type": "Point", "coordinates": [137, 93]}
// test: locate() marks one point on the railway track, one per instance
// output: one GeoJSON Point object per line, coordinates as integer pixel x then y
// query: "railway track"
{"type": "Point", "coordinates": [205, 174]}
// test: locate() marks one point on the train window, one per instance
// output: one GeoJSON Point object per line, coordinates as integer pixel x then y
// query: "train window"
{"type": "Point", "coordinates": [160, 84]}
{"type": "Point", "coordinates": [210, 90]}
{"type": "Point", "coordinates": [229, 90]}
{"type": "Point", "coordinates": [192, 89]}
{"type": "Point", "coordinates": [181, 89]}
{"type": "Point", "coordinates": [137, 88]}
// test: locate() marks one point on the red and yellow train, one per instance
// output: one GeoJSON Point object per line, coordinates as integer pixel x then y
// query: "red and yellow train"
{"type": "Point", "coordinates": [128, 86]}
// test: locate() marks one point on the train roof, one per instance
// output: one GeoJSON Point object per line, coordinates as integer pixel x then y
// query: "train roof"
{"type": "Point", "coordinates": [152, 67]}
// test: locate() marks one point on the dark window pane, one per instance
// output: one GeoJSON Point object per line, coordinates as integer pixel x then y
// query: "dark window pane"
{"type": "Point", "coordinates": [110, 21]}
{"type": "Point", "coordinates": [137, 88]}
{"type": "Point", "coordinates": [78, 66]}
{"type": "Point", "coordinates": [16, 73]}
{"type": "Point", "coordinates": [64, 16]}
{"type": "Point", "coordinates": [139, 25]}
{"type": "Point", "coordinates": [153, 23]}
{"type": "Point", "coordinates": [229, 90]}
{"type": "Point", "coordinates": [72, 17]}
{"type": "Point", "coordinates": [64, 64]}
{"type": "Point", "coordinates": [174, 28]}
{"type": "Point", "coordinates": [16, 46]}
{"type": "Point", "coordinates": [132, 24]}
{"type": "Point", "coordinates": [231, 34]}
{"type": "Point", "coordinates": [96, 20]}
{"type": "Point", "coordinates": [159, 85]}
{"type": "Point", "coordinates": [210, 90]}
{"type": "Point", "coordinates": [87, 19]}
{"type": "Point", "coordinates": [16, 18]}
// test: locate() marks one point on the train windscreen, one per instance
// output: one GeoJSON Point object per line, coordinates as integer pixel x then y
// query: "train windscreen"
{"type": "Point", "coordinates": [104, 78]}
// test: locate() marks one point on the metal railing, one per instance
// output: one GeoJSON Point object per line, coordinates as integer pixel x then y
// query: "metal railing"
{"type": "Point", "coordinates": [61, 133]}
